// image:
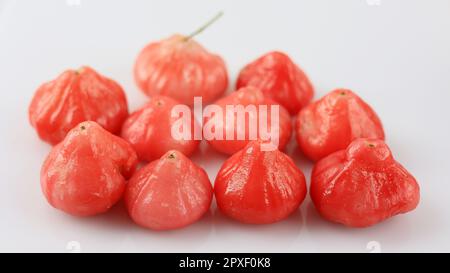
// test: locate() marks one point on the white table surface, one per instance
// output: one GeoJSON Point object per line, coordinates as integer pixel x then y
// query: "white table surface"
{"type": "Point", "coordinates": [394, 53]}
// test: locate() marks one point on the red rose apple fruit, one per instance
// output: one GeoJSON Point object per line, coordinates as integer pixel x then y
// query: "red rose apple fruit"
{"type": "Point", "coordinates": [259, 186]}
{"type": "Point", "coordinates": [149, 129]}
{"type": "Point", "coordinates": [73, 97]}
{"type": "Point", "coordinates": [85, 174]}
{"type": "Point", "coordinates": [181, 68]}
{"type": "Point", "coordinates": [280, 79]}
{"type": "Point", "coordinates": [223, 127]}
{"type": "Point", "coordinates": [168, 193]}
{"type": "Point", "coordinates": [362, 185]}
{"type": "Point", "coordinates": [331, 123]}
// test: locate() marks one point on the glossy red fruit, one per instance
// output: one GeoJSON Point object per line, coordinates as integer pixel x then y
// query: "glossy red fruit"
{"type": "Point", "coordinates": [180, 68]}
{"type": "Point", "coordinates": [331, 123]}
{"type": "Point", "coordinates": [149, 129]}
{"type": "Point", "coordinates": [362, 185]}
{"type": "Point", "coordinates": [168, 193]}
{"type": "Point", "coordinates": [258, 186]}
{"type": "Point", "coordinates": [85, 174]}
{"type": "Point", "coordinates": [280, 79]}
{"type": "Point", "coordinates": [246, 96]}
{"type": "Point", "coordinates": [73, 97]}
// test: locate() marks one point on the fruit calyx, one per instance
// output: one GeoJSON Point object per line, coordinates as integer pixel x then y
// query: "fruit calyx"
{"type": "Point", "coordinates": [368, 150]}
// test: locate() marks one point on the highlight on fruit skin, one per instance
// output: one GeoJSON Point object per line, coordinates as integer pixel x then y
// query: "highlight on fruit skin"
{"type": "Point", "coordinates": [362, 185]}
{"type": "Point", "coordinates": [256, 186]}
{"type": "Point", "coordinates": [333, 122]}
{"type": "Point", "coordinates": [149, 129]}
{"type": "Point", "coordinates": [73, 97]}
{"type": "Point", "coordinates": [169, 193]}
{"type": "Point", "coordinates": [246, 96]}
{"type": "Point", "coordinates": [280, 79]}
{"type": "Point", "coordinates": [86, 173]}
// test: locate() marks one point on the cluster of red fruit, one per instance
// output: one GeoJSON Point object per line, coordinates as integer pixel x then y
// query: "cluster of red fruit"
{"type": "Point", "coordinates": [355, 180]}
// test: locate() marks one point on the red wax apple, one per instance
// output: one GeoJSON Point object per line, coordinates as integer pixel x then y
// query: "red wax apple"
{"type": "Point", "coordinates": [362, 185]}
{"type": "Point", "coordinates": [241, 122]}
{"type": "Point", "coordinates": [168, 193]}
{"type": "Point", "coordinates": [85, 174]}
{"type": "Point", "coordinates": [331, 123]}
{"type": "Point", "coordinates": [280, 79]}
{"type": "Point", "coordinates": [258, 186]}
{"type": "Point", "coordinates": [73, 97]}
{"type": "Point", "coordinates": [181, 68]}
{"type": "Point", "coordinates": [149, 129]}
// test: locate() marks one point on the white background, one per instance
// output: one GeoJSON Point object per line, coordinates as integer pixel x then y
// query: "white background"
{"type": "Point", "coordinates": [396, 55]}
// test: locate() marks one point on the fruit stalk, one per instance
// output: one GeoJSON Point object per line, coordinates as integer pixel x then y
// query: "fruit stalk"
{"type": "Point", "coordinates": [205, 26]}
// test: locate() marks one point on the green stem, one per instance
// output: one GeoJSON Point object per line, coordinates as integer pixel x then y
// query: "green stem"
{"type": "Point", "coordinates": [205, 26]}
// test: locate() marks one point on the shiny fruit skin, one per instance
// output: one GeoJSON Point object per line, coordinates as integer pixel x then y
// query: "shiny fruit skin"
{"type": "Point", "coordinates": [280, 79]}
{"type": "Point", "coordinates": [182, 69]}
{"type": "Point", "coordinates": [247, 96]}
{"type": "Point", "coordinates": [168, 193]}
{"type": "Point", "coordinates": [362, 185]}
{"type": "Point", "coordinates": [259, 187]}
{"type": "Point", "coordinates": [86, 173]}
{"type": "Point", "coordinates": [331, 123]}
{"type": "Point", "coordinates": [149, 130]}
{"type": "Point", "coordinates": [73, 97]}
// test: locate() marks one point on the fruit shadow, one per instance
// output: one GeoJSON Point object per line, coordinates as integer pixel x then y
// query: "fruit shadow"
{"type": "Point", "coordinates": [234, 234]}
{"type": "Point", "coordinates": [391, 232]}
{"type": "Point", "coordinates": [129, 235]}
